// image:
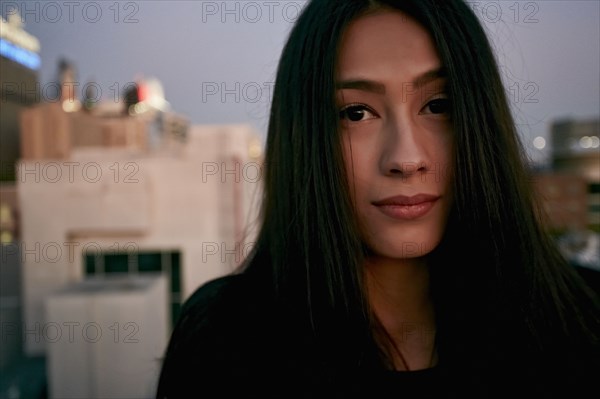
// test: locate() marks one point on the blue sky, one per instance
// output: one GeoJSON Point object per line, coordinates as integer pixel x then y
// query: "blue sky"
{"type": "Point", "coordinates": [549, 53]}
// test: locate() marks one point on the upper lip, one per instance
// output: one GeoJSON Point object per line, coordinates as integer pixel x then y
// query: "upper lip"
{"type": "Point", "coordinates": [405, 200]}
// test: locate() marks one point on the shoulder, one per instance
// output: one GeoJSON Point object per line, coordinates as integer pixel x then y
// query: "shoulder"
{"type": "Point", "coordinates": [222, 293]}
{"type": "Point", "coordinates": [235, 301]}
{"type": "Point", "coordinates": [206, 304]}
{"type": "Point", "coordinates": [215, 308]}
{"type": "Point", "coordinates": [223, 325]}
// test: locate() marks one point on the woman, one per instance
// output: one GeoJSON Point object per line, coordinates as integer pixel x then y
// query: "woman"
{"type": "Point", "coordinates": [400, 252]}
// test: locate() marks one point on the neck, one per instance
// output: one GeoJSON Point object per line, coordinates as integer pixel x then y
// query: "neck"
{"type": "Point", "coordinates": [398, 291]}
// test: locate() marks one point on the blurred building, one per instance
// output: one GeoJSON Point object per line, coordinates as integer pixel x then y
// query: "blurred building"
{"type": "Point", "coordinates": [9, 213]}
{"type": "Point", "coordinates": [10, 282]}
{"type": "Point", "coordinates": [564, 200]}
{"type": "Point", "coordinates": [575, 159]}
{"type": "Point", "coordinates": [576, 150]}
{"type": "Point", "coordinates": [19, 87]}
{"type": "Point", "coordinates": [48, 132]}
{"type": "Point", "coordinates": [570, 194]}
{"type": "Point", "coordinates": [119, 353]}
{"type": "Point", "coordinates": [576, 147]}
{"type": "Point", "coordinates": [97, 198]}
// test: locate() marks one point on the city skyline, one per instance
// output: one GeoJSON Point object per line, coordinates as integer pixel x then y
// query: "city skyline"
{"type": "Point", "coordinates": [217, 61]}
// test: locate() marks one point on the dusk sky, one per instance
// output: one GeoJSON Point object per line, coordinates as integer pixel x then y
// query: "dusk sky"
{"type": "Point", "coordinates": [549, 53]}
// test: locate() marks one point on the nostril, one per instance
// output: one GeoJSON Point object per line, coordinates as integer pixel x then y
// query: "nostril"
{"type": "Point", "coordinates": [406, 168]}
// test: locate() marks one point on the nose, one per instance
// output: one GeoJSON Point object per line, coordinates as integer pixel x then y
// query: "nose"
{"type": "Point", "coordinates": [404, 151]}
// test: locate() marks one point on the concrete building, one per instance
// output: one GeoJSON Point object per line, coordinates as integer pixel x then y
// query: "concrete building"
{"type": "Point", "coordinates": [91, 206]}
{"type": "Point", "coordinates": [48, 132]}
{"type": "Point", "coordinates": [106, 353]}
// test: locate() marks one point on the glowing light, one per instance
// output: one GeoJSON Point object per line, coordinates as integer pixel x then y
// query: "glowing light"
{"type": "Point", "coordinates": [539, 142]}
{"type": "Point", "coordinates": [19, 55]}
{"type": "Point", "coordinates": [138, 108]}
{"type": "Point", "coordinates": [595, 141]}
{"type": "Point", "coordinates": [585, 142]}
{"type": "Point", "coordinates": [6, 237]}
{"type": "Point", "coordinates": [5, 215]}
{"type": "Point", "coordinates": [71, 106]}
{"type": "Point", "coordinates": [254, 150]}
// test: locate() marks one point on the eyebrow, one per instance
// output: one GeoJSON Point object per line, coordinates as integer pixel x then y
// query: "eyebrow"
{"type": "Point", "coordinates": [379, 88]}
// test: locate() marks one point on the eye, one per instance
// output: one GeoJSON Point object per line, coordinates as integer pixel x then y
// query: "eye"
{"type": "Point", "coordinates": [437, 106]}
{"type": "Point", "coordinates": [356, 113]}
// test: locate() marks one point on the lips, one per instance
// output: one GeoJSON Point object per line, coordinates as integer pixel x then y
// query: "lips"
{"type": "Point", "coordinates": [406, 208]}
{"type": "Point", "coordinates": [404, 200]}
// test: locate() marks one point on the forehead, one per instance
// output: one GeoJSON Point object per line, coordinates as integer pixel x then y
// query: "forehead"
{"type": "Point", "coordinates": [386, 43]}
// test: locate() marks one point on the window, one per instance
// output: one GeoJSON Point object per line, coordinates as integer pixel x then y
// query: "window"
{"type": "Point", "coordinates": [168, 262]}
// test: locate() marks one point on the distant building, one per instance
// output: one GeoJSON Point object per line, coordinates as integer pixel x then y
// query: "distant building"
{"type": "Point", "coordinates": [10, 281]}
{"type": "Point", "coordinates": [127, 363]}
{"type": "Point", "coordinates": [576, 151]}
{"type": "Point", "coordinates": [19, 87]}
{"type": "Point", "coordinates": [576, 147]}
{"type": "Point", "coordinates": [564, 200]}
{"type": "Point", "coordinates": [97, 199]}
{"type": "Point", "coordinates": [9, 213]}
{"type": "Point", "coordinates": [48, 132]}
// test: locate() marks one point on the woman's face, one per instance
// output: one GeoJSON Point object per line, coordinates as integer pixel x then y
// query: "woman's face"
{"type": "Point", "coordinates": [398, 142]}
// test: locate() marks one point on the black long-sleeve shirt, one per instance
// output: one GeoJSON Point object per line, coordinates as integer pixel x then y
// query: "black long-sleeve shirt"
{"type": "Point", "coordinates": [229, 343]}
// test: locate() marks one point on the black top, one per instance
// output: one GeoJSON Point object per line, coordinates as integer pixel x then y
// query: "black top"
{"type": "Point", "coordinates": [230, 341]}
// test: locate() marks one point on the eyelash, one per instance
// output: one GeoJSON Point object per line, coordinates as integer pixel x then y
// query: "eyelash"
{"type": "Point", "coordinates": [343, 113]}
{"type": "Point", "coordinates": [362, 107]}
{"type": "Point", "coordinates": [445, 101]}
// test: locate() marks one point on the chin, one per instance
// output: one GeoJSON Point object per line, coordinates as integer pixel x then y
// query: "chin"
{"type": "Point", "coordinates": [408, 247]}
{"type": "Point", "coordinates": [408, 250]}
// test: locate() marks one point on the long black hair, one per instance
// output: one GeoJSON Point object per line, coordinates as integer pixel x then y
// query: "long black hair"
{"type": "Point", "coordinates": [505, 298]}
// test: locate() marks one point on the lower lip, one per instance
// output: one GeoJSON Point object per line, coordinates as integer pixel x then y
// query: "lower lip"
{"type": "Point", "coordinates": [407, 212]}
